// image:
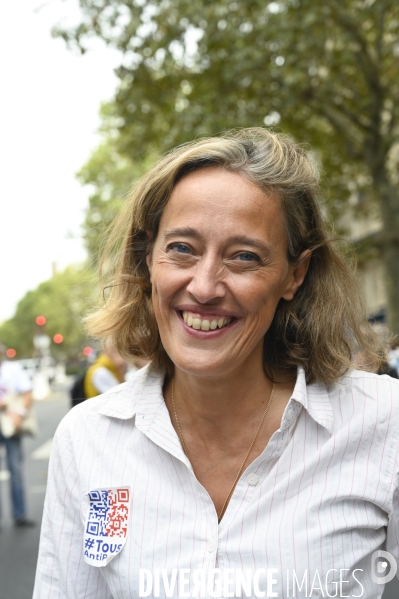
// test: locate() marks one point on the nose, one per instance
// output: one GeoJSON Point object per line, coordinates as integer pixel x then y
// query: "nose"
{"type": "Point", "coordinates": [206, 283]}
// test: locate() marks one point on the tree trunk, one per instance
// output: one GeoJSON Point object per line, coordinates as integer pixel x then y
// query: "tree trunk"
{"type": "Point", "coordinates": [388, 196]}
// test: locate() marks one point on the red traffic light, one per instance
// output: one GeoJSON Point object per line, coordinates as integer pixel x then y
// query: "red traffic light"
{"type": "Point", "coordinates": [58, 338]}
{"type": "Point", "coordinates": [11, 353]}
{"type": "Point", "coordinates": [40, 321]}
{"type": "Point", "coordinates": [88, 350]}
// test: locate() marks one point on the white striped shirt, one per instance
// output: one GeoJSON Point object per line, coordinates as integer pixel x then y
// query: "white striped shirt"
{"type": "Point", "coordinates": [313, 507]}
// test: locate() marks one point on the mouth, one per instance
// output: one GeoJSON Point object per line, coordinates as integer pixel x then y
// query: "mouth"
{"type": "Point", "coordinates": [209, 322]}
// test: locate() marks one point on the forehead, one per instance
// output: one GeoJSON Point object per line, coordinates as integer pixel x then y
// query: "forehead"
{"type": "Point", "coordinates": [217, 201]}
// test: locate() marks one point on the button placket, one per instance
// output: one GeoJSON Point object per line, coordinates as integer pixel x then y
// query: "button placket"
{"type": "Point", "coordinates": [252, 478]}
{"type": "Point", "coordinates": [245, 489]}
{"type": "Point", "coordinates": [288, 417]}
{"type": "Point", "coordinates": [290, 414]}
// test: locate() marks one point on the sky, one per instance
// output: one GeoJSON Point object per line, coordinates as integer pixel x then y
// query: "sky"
{"type": "Point", "coordinates": [49, 109]}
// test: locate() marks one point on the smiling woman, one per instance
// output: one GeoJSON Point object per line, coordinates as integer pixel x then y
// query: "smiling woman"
{"type": "Point", "coordinates": [245, 445]}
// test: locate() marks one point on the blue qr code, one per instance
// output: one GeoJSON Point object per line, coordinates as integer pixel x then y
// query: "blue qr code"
{"type": "Point", "coordinates": [95, 496]}
{"type": "Point", "coordinates": [92, 528]}
{"type": "Point", "coordinates": [99, 507]}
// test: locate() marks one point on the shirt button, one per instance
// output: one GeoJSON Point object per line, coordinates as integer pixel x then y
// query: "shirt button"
{"type": "Point", "coordinates": [290, 414]}
{"type": "Point", "coordinates": [252, 478]}
{"type": "Point", "coordinates": [211, 546]}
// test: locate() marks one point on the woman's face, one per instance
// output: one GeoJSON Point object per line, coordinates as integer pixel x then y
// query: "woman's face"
{"type": "Point", "coordinates": [218, 270]}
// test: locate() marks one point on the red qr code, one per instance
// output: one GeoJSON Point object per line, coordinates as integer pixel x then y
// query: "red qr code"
{"type": "Point", "coordinates": [123, 495]}
{"type": "Point", "coordinates": [118, 514]}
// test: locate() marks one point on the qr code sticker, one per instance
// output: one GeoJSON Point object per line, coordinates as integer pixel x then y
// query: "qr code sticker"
{"type": "Point", "coordinates": [110, 510]}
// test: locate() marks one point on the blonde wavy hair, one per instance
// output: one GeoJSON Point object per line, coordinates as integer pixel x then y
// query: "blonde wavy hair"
{"type": "Point", "coordinates": [320, 329]}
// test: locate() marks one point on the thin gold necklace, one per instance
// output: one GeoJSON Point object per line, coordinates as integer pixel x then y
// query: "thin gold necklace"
{"type": "Point", "coordinates": [246, 456]}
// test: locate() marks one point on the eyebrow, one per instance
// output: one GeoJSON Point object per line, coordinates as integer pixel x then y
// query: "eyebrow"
{"type": "Point", "coordinates": [240, 239]}
{"type": "Point", "coordinates": [181, 232]}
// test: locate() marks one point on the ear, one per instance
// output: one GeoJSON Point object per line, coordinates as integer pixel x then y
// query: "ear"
{"type": "Point", "coordinates": [297, 275]}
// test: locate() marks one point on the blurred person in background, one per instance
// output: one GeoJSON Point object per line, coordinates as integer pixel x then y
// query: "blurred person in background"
{"type": "Point", "coordinates": [107, 371]}
{"type": "Point", "coordinates": [249, 440]}
{"type": "Point", "coordinates": [14, 380]}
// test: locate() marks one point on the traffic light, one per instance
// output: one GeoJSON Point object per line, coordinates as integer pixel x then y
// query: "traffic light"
{"type": "Point", "coordinates": [58, 338]}
{"type": "Point", "coordinates": [40, 321]}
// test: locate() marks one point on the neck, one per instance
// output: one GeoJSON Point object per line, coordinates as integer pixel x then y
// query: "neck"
{"type": "Point", "coordinates": [202, 401]}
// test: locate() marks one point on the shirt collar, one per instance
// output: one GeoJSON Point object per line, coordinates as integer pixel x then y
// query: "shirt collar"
{"type": "Point", "coordinates": [315, 399]}
{"type": "Point", "coordinates": [143, 395]}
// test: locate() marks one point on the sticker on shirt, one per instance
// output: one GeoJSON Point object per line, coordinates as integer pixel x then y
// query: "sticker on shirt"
{"type": "Point", "coordinates": [107, 524]}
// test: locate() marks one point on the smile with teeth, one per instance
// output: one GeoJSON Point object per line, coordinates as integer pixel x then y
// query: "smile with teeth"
{"type": "Point", "coordinates": [203, 323]}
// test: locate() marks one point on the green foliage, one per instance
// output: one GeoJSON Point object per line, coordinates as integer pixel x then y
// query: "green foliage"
{"type": "Point", "coordinates": [63, 300]}
{"type": "Point", "coordinates": [326, 72]}
{"type": "Point", "coordinates": [111, 176]}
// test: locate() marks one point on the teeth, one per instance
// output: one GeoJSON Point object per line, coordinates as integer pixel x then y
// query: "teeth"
{"type": "Point", "coordinates": [206, 324]}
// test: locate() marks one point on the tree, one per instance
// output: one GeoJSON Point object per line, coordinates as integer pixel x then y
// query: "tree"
{"type": "Point", "coordinates": [63, 300]}
{"type": "Point", "coordinates": [111, 175]}
{"type": "Point", "coordinates": [325, 72]}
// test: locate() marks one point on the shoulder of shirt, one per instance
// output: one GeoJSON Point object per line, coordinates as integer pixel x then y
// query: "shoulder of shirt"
{"type": "Point", "coordinates": [369, 390]}
{"type": "Point", "coordinates": [367, 383]}
{"type": "Point", "coordinates": [362, 374]}
{"type": "Point", "coordinates": [119, 402]}
{"type": "Point", "coordinates": [377, 396]}
{"type": "Point", "coordinates": [351, 376]}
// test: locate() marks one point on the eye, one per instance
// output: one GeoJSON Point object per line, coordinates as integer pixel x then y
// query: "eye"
{"type": "Point", "coordinates": [181, 248]}
{"type": "Point", "coordinates": [248, 257]}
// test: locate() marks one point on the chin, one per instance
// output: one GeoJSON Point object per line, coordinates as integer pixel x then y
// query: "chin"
{"type": "Point", "coordinates": [201, 366]}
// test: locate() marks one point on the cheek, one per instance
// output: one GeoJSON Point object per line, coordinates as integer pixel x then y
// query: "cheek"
{"type": "Point", "coordinates": [257, 294]}
{"type": "Point", "coordinates": [165, 281]}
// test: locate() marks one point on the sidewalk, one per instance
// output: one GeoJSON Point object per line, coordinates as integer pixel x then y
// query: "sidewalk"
{"type": "Point", "coordinates": [19, 547]}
